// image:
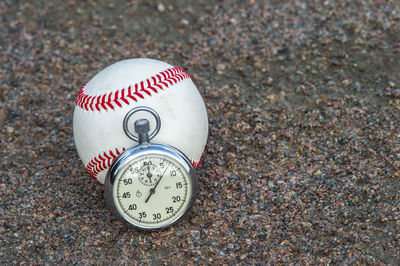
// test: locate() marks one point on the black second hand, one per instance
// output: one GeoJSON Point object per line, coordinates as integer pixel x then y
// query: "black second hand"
{"type": "Point", "coordinates": [153, 190]}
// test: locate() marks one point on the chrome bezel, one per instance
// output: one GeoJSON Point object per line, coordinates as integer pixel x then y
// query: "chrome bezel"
{"type": "Point", "coordinates": [131, 154]}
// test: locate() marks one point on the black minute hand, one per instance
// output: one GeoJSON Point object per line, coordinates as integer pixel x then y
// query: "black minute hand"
{"type": "Point", "coordinates": [153, 190]}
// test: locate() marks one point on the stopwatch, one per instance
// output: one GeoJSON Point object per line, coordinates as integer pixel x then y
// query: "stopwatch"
{"type": "Point", "coordinates": [150, 186]}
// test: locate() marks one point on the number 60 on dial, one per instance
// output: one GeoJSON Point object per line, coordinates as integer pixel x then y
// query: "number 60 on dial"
{"type": "Point", "coordinates": [150, 186]}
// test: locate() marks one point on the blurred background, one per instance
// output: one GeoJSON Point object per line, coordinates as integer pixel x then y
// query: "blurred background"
{"type": "Point", "coordinates": [302, 163]}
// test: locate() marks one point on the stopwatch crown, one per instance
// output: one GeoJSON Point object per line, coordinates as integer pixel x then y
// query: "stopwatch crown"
{"type": "Point", "coordinates": [142, 128]}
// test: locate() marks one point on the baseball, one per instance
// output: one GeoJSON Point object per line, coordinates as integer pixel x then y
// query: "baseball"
{"type": "Point", "coordinates": [105, 100]}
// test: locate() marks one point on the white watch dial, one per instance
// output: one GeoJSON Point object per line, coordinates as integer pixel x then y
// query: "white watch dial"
{"type": "Point", "coordinates": [152, 191]}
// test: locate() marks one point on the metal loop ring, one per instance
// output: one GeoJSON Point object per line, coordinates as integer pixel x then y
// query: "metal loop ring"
{"type": "Point", "coordinates": [135, 110]}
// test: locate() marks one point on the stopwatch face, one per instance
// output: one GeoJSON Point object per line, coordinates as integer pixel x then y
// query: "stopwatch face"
{"type": "Point", "coordinates": [152, 191]}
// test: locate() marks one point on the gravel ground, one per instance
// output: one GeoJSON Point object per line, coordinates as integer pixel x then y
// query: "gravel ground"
{"type": "Point", "coordinates": [302, 163]}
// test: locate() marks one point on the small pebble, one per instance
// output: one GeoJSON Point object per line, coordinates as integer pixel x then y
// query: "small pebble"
{"type": "Point", "coordinates": [357, 86]}
{"type": "Point", "coordinates": [160, 7]}
{"type": "Point", "coordinates": [10, 130]}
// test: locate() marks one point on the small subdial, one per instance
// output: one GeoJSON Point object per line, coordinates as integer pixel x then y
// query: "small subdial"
{"type": "Point", "coordinates": [149, 175]}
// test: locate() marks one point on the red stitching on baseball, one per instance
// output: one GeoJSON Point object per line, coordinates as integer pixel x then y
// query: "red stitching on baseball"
{"type": "Point", "coordinates": [109, 101]}
{"type": "Point", "coordinates": [151, 86]}
{"type": "Point", "coordinates": [130, 94]}
{"type": "Point", "coordinates": [101, 162]}
{"type": "Point", "coordinates": [104, 160]}
{"type": "Point", "coordinates": [156, 84]}
{"type": "Point", "coordinates": [195, 164]}
{"type": "Point", "coordinates": [144, 88]}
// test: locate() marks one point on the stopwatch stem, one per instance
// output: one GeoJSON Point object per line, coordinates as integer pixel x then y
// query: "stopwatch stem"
{"type": "Point", "coordinates": [142, 128]}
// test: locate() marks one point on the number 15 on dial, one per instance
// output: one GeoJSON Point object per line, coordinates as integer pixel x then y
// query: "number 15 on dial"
{"type": "Point", "coordinates": [150, 186]}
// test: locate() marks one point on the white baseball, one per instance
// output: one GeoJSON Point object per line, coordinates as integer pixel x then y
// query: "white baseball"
{"type": "Point", "coordinates": [105, 100]}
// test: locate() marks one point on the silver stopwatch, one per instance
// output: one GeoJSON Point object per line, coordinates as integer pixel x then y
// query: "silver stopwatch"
{"type": "Point", "coordinates": [150, 186]}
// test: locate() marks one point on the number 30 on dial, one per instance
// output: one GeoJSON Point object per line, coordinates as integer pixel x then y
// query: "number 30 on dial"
{"type": "Point", "coordinates": [151, 188]}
